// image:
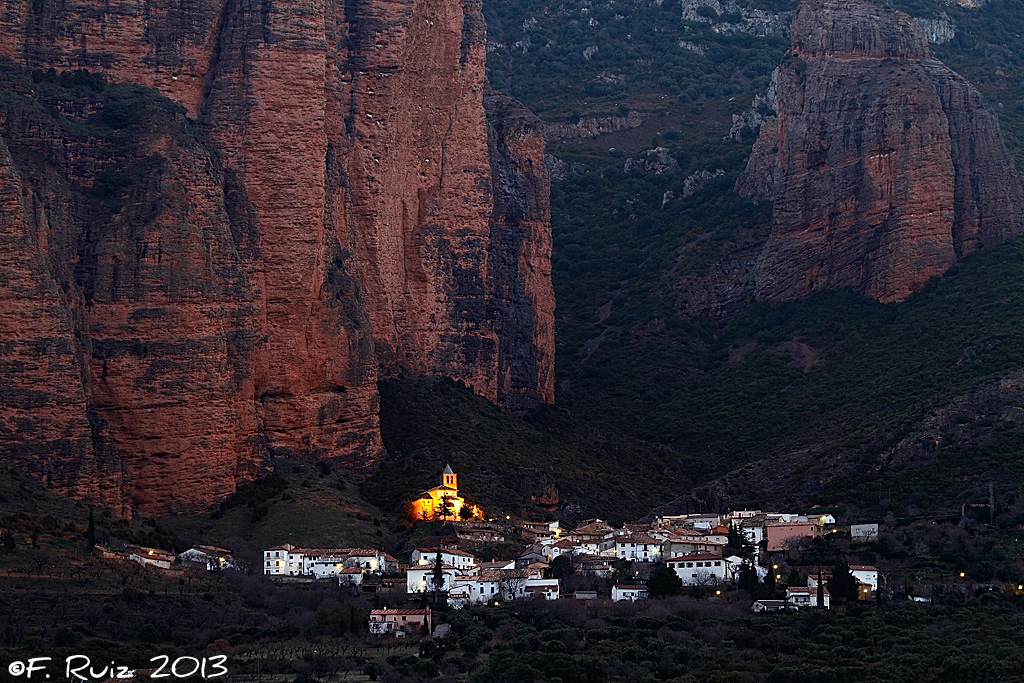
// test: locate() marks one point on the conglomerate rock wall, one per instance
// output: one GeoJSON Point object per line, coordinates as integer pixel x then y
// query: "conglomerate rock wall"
{"type": "Point", "coordinates": [337, 203]}
{"type": "Point", "coordinates": [885, 167]}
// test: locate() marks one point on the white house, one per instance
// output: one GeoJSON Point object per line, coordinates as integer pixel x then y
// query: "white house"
{"type": "Point", "coordinates": [628, 592]}
{"type": "Point", "coordinates": [803, 597]}
{"type": "Point", "coordinates": [420, 579]}
{"type": "Point", "coordinates": [703, 569]}
{"type": "Point", "coordinates": [324, 564]}
{"type": "Point", "coordinates": [476, 590]}
{"type": "Point", "coordinates": [152, 557]}
{"type": "Point", "coordinates": [553, 549]}
{"type": "Point", "coordinates": [754, 533]}
{"type": "Point", "coordinates": [212, 557]}
{"type": "Point", "coordinates": [863, 532]}
{"type": "Point", "coordinates": [704, 522]}
{"type": "Point", "coordinates": [547, 589]}
{"type": "Point", "coordinates": [351, 578]}
{"type": "Point", "coordinates": [866, 574]}
{"type": "Point", "coordinates": [370, 559]}
{"type": "Point", "coordinates": [733, 565]}
{"type": "Point", "coordinates": [283, 560]}
{"type": "Point", "coordinates": [638, 547]}
{"type": "Point", "coordinates": [450, 556]}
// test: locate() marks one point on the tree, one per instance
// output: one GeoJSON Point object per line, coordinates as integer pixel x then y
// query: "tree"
{"type": "Point", "coordinates": [664, 582]}
{"type": "Point", "coordinates": [768, 588]}
{"type": "Point", "coordinates": [842, 585]}
{"type": "Point", "coordinates": [90, 533]}
{"type": "Point", "coordinates": [466, 513]}
{"type": "Point", "coordinates": [565, 565]}
{"type": "Point", "coordinates": [512, 582]}
{"type": "Point", "coordinates": [41, 560]}
{"type": "Point", "coordinates": [9, 541]}
{"type": "Point", "coordinates": [445, 509]}
{"type": "Point", "coordinates": [795, 578]}
{"type": "Point", "coordinates": [737, 543]}
{"type": "Point", "coordinates": [437, 576]}
{"type": "Point", "coordinates": [747, 580]}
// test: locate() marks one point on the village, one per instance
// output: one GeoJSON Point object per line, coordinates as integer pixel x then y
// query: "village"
{"type": "Point", "coordinates": [707, 553]}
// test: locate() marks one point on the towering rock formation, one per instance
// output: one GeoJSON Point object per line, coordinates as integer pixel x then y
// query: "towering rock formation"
{"type": "Point", "coordinates": [337, 203]}
{"type": "Point", "coordinates": [885, 167]}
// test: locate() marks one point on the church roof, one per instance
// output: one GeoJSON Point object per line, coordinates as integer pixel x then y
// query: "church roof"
{"type": "Point", "coordinates": [440, 489]}
{"type": "Point", "coordinates": [448, 469]}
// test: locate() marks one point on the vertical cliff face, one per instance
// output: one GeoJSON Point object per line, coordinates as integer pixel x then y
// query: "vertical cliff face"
{"type": "Point", "coordinates": [337, 212]}
{"type": "Point", "coordinates": [885, 167]}
{"type": "Point", "coordinates": [522, 306]}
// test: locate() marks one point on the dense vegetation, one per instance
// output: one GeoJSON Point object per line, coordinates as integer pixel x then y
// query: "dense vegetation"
{"type": "Point", "coordinates": [677, 397]}
{"type": "Point", "coordinates": [576, 57]}
{"type": "Point", "coordinates": [61, 600]}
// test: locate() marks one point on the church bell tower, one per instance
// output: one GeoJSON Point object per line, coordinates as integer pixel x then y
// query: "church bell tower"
{"type": "Point", "coordinates": [449, 478]}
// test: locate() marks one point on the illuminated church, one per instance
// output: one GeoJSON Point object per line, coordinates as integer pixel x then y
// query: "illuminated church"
{"type": "Point", "coordinates": [443, 502]}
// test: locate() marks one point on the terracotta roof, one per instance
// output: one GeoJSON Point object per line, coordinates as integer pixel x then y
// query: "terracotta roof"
{"type": "Point", "coordinates": [862, 568]}
{"type": "Point", "coordinates": [630, 587]}
{"type": "Point", "coordinates": [699, 556]}
{"type": "Point", "coordinates": [450, 551]}
{"type": "Point", "coordinates": [407, 612]}
{"type": "Point", "coordinates": [430, 567]}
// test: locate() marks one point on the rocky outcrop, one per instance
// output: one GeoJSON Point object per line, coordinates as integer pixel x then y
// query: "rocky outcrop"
{"type": "Point", "coordinates": [937, 31]}
{"type": "Point", "coordinates": [592, 126]}
{"type": "Point", "coordinates": [658, 160]}
{"type": "Point", "coordinates": [730, 18]}
{"type": "Point", "coordinates": [885, 167]}
{"type": "Point", "coordinates": [338, 214]}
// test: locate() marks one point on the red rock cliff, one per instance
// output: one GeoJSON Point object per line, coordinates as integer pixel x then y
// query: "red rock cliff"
{"type": "Point", "coordinates": [885, 167]}
{"type": "Point", "coordinates": [340, 209]}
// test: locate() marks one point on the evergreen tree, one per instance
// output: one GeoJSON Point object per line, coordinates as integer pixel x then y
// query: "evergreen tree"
{"type": "Point", "coordinates": [842, 584]}
{"type": "Point", "coordinates": [90, 533]}
{"type": "Point", "coordinates": [445, 509]}
{"type": "Point", "coordinates": [768, 588]}
{"type": "Point", "coordinates": [795, 578]}
{"type": "Point", "coordinates": [747, 579]}
{"type": "Point", "coordinates": [737, 541]}
{"type": "Point", "coordinates": [664, 582]}
{"type": "Point", "coordinates": [437, 576]}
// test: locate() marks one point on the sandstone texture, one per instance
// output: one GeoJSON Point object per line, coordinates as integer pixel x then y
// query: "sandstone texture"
{"type": "Point", "coordinates": [885, 167]}
{"type": "Point", "coordinates": [330, 201]}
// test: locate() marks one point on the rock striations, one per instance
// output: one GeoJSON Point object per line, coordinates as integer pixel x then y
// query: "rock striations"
{"type": "Point", "coordinates": [885, 167]}
{"type": "Point", "coordinates": [338, 203]}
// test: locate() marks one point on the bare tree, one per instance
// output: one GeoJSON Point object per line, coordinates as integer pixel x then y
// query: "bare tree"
{"type": "Point", "coordinates": [702, 577]}
{"type": "Point", "coordinates": [512, 583]}
{"type": "Point", "coordinates": [40, 560]}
